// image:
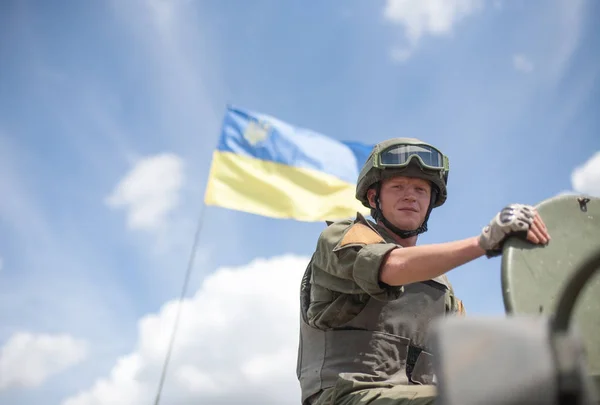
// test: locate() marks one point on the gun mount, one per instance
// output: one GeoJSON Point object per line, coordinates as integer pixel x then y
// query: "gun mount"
{"type": "Point", "coordinates": [547, 349]}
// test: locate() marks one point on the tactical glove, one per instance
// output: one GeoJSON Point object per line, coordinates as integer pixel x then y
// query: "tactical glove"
{"type": "Point", "coordinates": [514, 219]}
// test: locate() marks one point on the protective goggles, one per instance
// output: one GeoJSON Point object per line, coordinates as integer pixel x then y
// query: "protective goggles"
{"type": "Point", "coordinates": [398, 156]}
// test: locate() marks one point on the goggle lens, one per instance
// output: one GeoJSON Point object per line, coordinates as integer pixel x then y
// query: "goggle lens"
{"type": "Point", "coordinates": [400, 154]}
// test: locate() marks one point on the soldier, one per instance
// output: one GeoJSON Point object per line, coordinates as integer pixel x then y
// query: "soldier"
{"type": "Point", "coordinates": [369, 293]}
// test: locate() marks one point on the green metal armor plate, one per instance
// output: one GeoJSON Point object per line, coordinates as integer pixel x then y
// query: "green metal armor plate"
{"type": "Point", "coordinates": [533, 276]}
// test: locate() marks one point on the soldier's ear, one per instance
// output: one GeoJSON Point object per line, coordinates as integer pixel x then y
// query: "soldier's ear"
{"type": "Point", "coordinates": [371, 197]}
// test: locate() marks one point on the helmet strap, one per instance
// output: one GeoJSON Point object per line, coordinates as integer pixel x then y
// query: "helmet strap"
{"type": "Point", "coordinates": [404, 234]}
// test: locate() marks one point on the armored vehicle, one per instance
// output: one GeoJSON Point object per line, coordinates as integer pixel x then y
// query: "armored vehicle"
{"type": "Point", "coordinates": [547, 349]}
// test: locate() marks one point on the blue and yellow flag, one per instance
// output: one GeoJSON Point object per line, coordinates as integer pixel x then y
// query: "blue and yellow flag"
{"type": "Point", "coordinates": [268, 167]}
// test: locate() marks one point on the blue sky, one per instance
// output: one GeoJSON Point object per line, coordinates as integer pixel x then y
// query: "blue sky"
{"type": "Point", "coordinates": [109, 112]}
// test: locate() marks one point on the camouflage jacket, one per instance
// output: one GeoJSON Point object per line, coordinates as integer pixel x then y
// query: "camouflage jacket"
{"type": "Point", "coordinates": [345, 272]}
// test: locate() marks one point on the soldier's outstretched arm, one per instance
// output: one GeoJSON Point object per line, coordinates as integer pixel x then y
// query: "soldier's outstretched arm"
{"type": "Point", "coordinates": [419, 263]}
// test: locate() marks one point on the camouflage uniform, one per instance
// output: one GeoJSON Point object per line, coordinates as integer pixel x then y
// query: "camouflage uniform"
{"type": "Point", "coordinates": [362, 341]}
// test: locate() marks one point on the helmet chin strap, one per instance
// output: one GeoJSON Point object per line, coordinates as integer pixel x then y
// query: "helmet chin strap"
{"type": "Point", "coordinates": [404, 234]}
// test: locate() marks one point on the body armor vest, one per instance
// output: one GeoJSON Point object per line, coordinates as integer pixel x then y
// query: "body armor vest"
{"type": "Point", "coordinates": [386, 342]}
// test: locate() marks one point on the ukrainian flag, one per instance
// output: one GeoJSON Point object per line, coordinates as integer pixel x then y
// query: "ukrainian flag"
{"type": "Point", "coordinates": [268, 167]}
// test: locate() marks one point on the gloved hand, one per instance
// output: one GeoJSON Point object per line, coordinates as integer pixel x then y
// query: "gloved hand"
{"type": "Point", "coordinates": [515, 219]}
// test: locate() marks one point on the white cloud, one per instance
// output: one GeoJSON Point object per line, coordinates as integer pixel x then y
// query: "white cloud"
{"type": "Point", "coordinates": [522, 63]}
{"type": "Point", "coordinates": [149, 191]}
{"type": "Point", "coordinates": [27, 360]}
{"type": "Point", "coordinates": [237, 343]}
{"type": "Point", "coordinates": [585, 178]}
{"type": "Point", "coordinates": [433, 17]}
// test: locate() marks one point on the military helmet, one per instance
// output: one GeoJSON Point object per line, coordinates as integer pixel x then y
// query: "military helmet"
{"type": "Point", "coordinates": [404, 157]}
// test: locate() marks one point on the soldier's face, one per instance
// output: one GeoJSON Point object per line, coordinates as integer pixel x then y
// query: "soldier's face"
{"type": "Point", "coordinates": [404, 201]}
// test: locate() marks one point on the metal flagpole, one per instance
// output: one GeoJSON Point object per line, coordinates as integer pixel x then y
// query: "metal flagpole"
{"type": "Point", "coordinates": [186, 280]}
